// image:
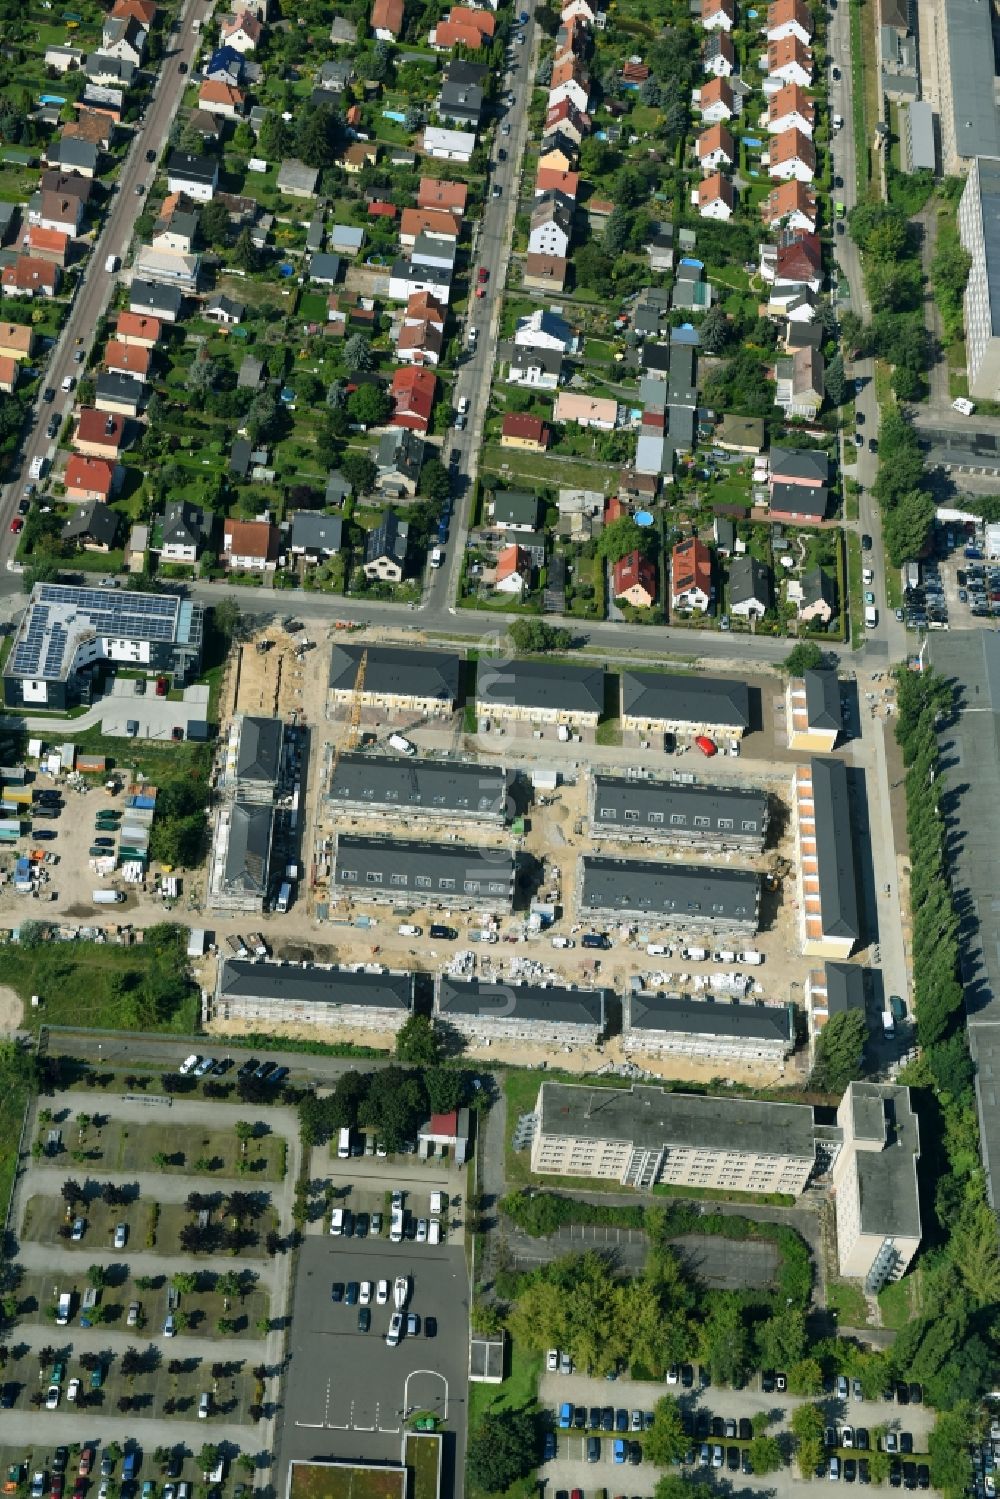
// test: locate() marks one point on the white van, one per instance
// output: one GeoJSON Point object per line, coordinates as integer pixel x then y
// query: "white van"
{"type": "Point", "coordinates": [437, 557]}
{"type": "Point", "coordinates": [657, 950]}
{"type": "Point", "coordinates": [396, 1226]}
{"type": "Point", "coordinates": [751, 957]}
{"type": "Point", "coordinates": [402, 746]}
{"type": "Point", "coordinates": [37, 467]}
{"type": "Point", "coordinates": [409, 930]}
{"type": "Point", "coordinates": [337, 1222]}
{"type": "Point", "coordinates": [871, 616]}
{"type": "Point", "coordinates": [344, 1144]}
{"type": "Point", "coordinates": [562, 941]}
{"type": "Point", "coordinates": [437, 1204]}
{"type": "Point", "coordinates": [434, 1232]}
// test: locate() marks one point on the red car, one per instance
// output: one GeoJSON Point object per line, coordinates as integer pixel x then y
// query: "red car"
{"type": "Point", "coordinates": [161, 687]}
{"type": "Point", "coordinates": [17, 525]}
{"type": "Point", "coordinates": [480, 291]}
{"type": "Point", "coordinates": [86, 1462]}
{"type": "Point", "coordinates": [484, 274]}
{"type": "Point", "coordinates": [707, 746]}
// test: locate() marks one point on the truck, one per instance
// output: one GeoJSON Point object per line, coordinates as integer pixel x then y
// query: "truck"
{"type": "Point", "coordinates": [871, 616]}
{"type": "Point", "coordinates": [284, 897]}
{"type": "Point", "coordinates": [396, 1226]}
{"type": "Point", "coordinates": [111, 264]}
{"type": "Point", "coordinates": [37, 467]}
{"type": "Point", "coordinates": [107, 897]}
{"type": "Point", "coordinates": [344, 1144]}
{"type": "Point", "coordinates": [752, 957]}
{"type": "Point", "coordinates": [888, 1024]}
{"type": "Point", "coordinates": [64, 1308]}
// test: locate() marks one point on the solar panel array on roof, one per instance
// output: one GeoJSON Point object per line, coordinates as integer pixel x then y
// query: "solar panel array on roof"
{"type": "Point", "coordinates": [59, 612]}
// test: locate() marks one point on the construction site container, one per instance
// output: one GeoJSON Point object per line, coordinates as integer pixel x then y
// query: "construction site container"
{"type": "Point", "coordinates": [6, 836]}
{"type": "Point", "coordinates": [18, 774]}
{"type": "Point", "coordinates": [143, 800]}
{"type": "Point", "coordinates": [21, 795]}
{"type": "Point", "coordinates": [92, 764]}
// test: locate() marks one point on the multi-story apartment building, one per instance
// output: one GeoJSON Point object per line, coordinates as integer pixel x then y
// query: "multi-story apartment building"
{"type": "Point", "coordinates": [418, 790]}
{"type": "Point", "coordinates": [684, 898]}
{"type": "Point", "coordinates": [541, 1015]}
{"type": "Point", "coordinates": [877, 1193]}
{"type": "Point", "coordinates": [979, 228]}
{"type": "Point", "coordinates": [645, 1135]}
{"type": "Point", "coordinates": [384, 871]}
{"type": "Point", "coordinates": [706, 817]}
{"type": "Point", "coordinates": [313, 994]}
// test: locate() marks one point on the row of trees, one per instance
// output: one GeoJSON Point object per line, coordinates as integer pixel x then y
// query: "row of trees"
{"type": "Point", "coordinates": [906, 504]}
{"type": "Point", "coordinates": [894, 284]}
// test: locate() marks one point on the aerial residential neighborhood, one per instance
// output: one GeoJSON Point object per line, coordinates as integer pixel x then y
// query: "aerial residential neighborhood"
{"type": "Point", "coordinates": [498, 942]}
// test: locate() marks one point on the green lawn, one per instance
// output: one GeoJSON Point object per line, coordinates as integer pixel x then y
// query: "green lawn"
{"type": "Point", "coordinates": [846, 1299]}
{"type": "Point", "coordinates": [13, 1103]}
{"type": "Point", "coordinates": [103, 985]}
{"type": "Point", "coordinates": [322, 1482]}
{"type": "Point", "coordinates": [898, 1302]}
{"type": "Point", "coordinates": [154, 761]}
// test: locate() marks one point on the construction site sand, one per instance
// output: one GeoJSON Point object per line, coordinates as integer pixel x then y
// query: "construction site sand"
{"type": "Point", "coordinates": [11, 1009]}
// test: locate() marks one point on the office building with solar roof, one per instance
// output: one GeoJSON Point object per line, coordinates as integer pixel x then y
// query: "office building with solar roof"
{"type": "Point", "coordinates": [66, 632]}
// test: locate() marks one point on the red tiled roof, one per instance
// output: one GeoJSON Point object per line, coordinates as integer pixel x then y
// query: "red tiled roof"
{"type": "Point", "coordinates": [93, 475]}
{"type": "Point", "coordinates": [250, 538]}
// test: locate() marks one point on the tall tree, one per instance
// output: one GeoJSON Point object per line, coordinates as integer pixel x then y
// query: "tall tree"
{"type": "Point", "coordinates": [839, 1050]}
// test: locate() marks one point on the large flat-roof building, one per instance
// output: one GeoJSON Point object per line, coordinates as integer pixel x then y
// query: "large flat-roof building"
{"type": "Point", "coordinates": [688, 898]}
{"type": "Point", "coordinates": [660, 702]}
{"type": "Point", "coordinates": [540, 692]}
{"type": "Point", "coordinates": [970, 120]}
{"type": "Point", "coordinates": [707, 817]}
{"type": "Point", "coordinates": [979, 228]}
{"type": "Point", "coordinates": [643, 1136]}
{"type": "Point", "coordinates": [419, 790]}
{"type": "Point", "coordinates": [240, 860]}
{"type": "Point", "coordinates": [368, 999]}
{"type": "Point", "coordinates": [385, 871]}
{"type": "Point", "coordinates": [66, 631]}
{"type": "Point", "coordinates": [712, 1028]}
{"type": "Point", "coordinates": [539, 1014]}
{"type": "Point", "coordinates": [814, 717]}
{"type": "Point", "coordinates": [829, 915]}
{"type": "Point", "coordinates": [876, 1191]}
{"type": "Point", "coordinates": [396, 680]}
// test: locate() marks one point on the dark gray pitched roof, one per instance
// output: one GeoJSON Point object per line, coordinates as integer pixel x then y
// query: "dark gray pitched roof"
{"type": "Point", "coordinates": [696, 892]}
{"type": "Point", "coordinates": [258, 757]}
{"type": "Point", "coordinates": [798, 499]}
{"type": "Point", "coordinates": [203, 169]}
{"type": "Point", "coordinates": [149, 296]}
{"type": "Point", "coordinates": [838, 887]}
{"type": "Point", "coordinates": [184, 524]}
{"type": "Point", "coordinates": [95, 519]}
{"type": "Point", "coordinates": [710, 1017]}
{"type": "Point", "coordinates": [541, 684]}
{"type": "Point", "coordinates": [113, 386]}
{"type": "Point", "coordinates": [823, 710]}
{"type": "Point", "coordinates": [393, 671]}
{"type": "Point", "coordinates": [715, 700]}
{"type": "Point", "coordinates": [317, 532]}
{"type": "Point", "coordinates": [381, 781]}
{"type": "Point", "coordinates": [749, 579]}
{"type": "Point", "coordinates": [388, 539]}
{"type": "Point", "coordinates": [462, 871]}
{"type": "Point", "coordinates": [816, 584]}
{"type": "Point", "coordinates": [666, 805]}
{"type": "Point", "coordinates": [800, 463]}
{"type": "Point", "coordinates": [249, 848]}
{"type": "Point", "coordinates": [845, 987]}
{"type": "Point", "coordinates": [516, 507]}
{"type": "Point", "coordinates": [528, 1002]}
{"type": "Point", "coordinates": [315, 984]}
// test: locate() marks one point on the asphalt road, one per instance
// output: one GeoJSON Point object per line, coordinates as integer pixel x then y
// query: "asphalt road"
{"type": "Point", "coordinates": [97, 287]}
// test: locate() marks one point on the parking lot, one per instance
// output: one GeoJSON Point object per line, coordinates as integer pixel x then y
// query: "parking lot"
{"type": "Point", "coordinates": [347, 1393]}
{"type": "Point", "coordinates": [708, 1411]}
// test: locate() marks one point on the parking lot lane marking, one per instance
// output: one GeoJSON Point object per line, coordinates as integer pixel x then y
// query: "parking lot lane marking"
{"type": "Point", "coordinates": [312, 1425]}
{"type": "Point", "coordinates": [362, 1428]}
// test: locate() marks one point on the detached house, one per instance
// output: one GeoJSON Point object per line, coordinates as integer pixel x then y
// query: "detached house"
{"type": "Point", "coordinates": [127, 359]}
{"type": "Point", "coordinates": [515, 510]}
{"type": "Point", "coordinates": [463, 26]}
{"type": "Point", "coordinates": [718, 56]}
{"type": "Point", "coordinates": [93, 526]}
{"type": "Point", "coordinates": [435, 193]}
{"type": "Point", "coordinates": [133, 328]}
{"type": "Point", "coordinates": [818, 597]}
{"type": "Point", "coordinates": [798, 485]}
{"type": "Point", "coordinates": [586, 411]}
{"type": "Point", "coordinates": [691, 576]}
{"type": "Point", "coordinates": [513, 570]}
{"type": "Point", "coordinates": [17, 340]}
{"type": "Point", "coordinates": [249, 546]}
{"type": "Point", "coordinates": [62, 212]}
{"type": "Point", "coordinates": [799, 380]}
{"type": "Point", "coordinates": [716, 101]}
{"type": "Point", "coordinates": [412, 394]}
{"type": "Point", "coordinates": [528, 433]}
{"type": "Point", "coordinates": [449, 145]}
{"type": "Point", "coordinates": [789, 18]}
{"type": "Point", "coordinates": [570, 81]}
{"type": "Point", "coordinates": [551, 225]}
{"type": "Point", "coordinates": [634, 580]}
{"type": "Point", "coordinates": [387, 19]}
{"type": "Point", "coordinates": [792, 154]}
{"type": "Point", "coordinates": [791, 109]}
{"type": "Point", "coordinates": [29, 278]}
{"type": "Point", "coordinates": [399, 459]}
{"type": "Point", "coordinates": [715, 197]}
{"type": "Point", "coordinates": [47, 244]}
{"type": "Point", "coordinates": [198, 176]}
{"type": "Point", "coordinates": [790, 206]}
{"type": "Point", "coordinates": [568, 120]}
{"type": "Point", "coordinates": [91, 479]}
{"type": "Point", "coordinates": [548, 180]}
{"type": "Point", "coordinates": [420, 342]}
{"type": "Point", "coordinates": [385, 550]}
{"type": "Point", "coordinates": [541, 368]}
{"type": "Point", "coordinates": [749, 588]}
{"type": "Point", "coordinates": [185, 530]}
{"type": "Point", "coordinates": [123, 38]}
{"type": "Point", "coordinates": [460, 101]}
{"type": "Point", "coordinates": [789, 61]}
{"type": "Point", "coordinates": [718, 15]}
{"type": "Point", "coordinates": [222, 99]}
{"type": "Point", "coordinates": [546, 272]}
{"type": "Point", "coordinates": [242, 32]}
{"type": "Point", "coordinates": [438, 223]}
